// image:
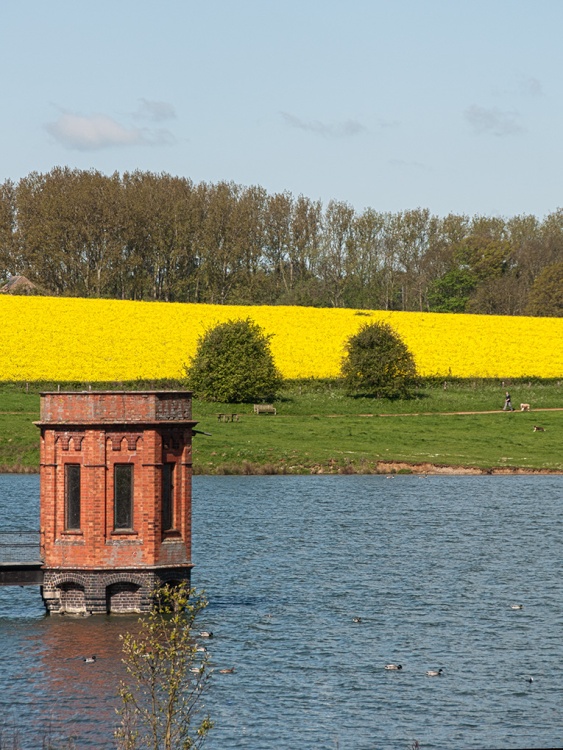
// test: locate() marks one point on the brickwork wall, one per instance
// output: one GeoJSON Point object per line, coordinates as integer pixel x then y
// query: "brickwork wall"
{"type": "Point", "coordinates": [123, 597]}
{"type": "Point", "coordinates": [72, 598]}
{"type": "Point", "coordinates": [125, 407]}
{"type": "Point", "coordinates": [98, 430]}
{"type": "Point", "coordinates": [89, 592]}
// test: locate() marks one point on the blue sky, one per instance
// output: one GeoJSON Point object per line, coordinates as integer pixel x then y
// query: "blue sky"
{"type": "Point", "coordinates": [451, 105]}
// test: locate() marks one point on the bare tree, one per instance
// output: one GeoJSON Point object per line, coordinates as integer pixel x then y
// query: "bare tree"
{"type": "Point", "coordinates": [9, 261]}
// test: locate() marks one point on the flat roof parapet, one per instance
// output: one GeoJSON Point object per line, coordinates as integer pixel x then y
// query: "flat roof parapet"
{"type": "Point", "coordinates": [115, 407]}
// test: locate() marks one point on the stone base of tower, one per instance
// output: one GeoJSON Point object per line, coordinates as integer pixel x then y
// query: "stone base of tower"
{"type": "Point", "coordinates": [100, 592]}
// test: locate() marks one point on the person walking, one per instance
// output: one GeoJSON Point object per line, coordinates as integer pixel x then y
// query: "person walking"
{"type": "Point", "coordinates": [507, 403]}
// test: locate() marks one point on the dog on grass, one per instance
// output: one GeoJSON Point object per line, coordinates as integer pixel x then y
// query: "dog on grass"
{"type": "Point", "coordinates": [537, 428]}
{"type": "Point", "coordinates": [524, 407]}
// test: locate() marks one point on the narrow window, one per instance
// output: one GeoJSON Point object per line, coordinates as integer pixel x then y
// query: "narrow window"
{"type": "Point", "coordinates": [167, 497]}
{"type": "Point", "coordinates": [72, 496]}
{"type": "Point", "coordinates": [123, 496]}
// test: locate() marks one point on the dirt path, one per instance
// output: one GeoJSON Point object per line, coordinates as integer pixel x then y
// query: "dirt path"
{"type": "Point", "coordinates": [451, 413]}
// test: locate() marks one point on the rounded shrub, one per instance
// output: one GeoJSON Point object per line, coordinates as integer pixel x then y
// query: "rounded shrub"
{"type": "Point", "coordinates": [378, 363]}
{"type": "Point", "coordinates": [233, 364]}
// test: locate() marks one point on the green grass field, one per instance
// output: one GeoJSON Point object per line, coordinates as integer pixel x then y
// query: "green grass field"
{"type": "Point", "coordinates": [318, 428]}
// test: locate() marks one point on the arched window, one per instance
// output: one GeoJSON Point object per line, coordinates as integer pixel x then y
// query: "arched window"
{"type": "Point", "coordinates": [168, 496]}
{"type": "Point", "coordinates": [72, 496]}
{"type": "Point", "coordinates": [123, 496]}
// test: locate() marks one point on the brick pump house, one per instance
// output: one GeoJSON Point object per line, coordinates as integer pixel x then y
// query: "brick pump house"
{"type": "Point", "coordinates": [115, 497]}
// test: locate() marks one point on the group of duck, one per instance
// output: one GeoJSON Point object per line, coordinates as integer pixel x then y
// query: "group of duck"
{"type": "Point", "coordinates": [432, 672]}
{"type": "Point", "coordinates": [398, 667]}
{"type": "Point", "coordinates": [429, 672]}
{"type": "Point", "coordinates": [195, 670]}
{"type": "Point", "coordinates": [209, 634]}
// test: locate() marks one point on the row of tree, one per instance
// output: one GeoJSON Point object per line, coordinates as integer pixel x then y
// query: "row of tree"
{"type": "Point", "coordinates": [153, 236]}
{"type": "Point", "coordinates": [234, 364]}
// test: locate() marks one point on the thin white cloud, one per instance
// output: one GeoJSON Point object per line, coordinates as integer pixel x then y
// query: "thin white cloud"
{"type": "Point", "coordinates": [344, 129]}
{"type": "Point", "coordinates": [89, 133]}
{"type": "Point", "coordinates": [491, 120]}
{"type": "Point", "coordinates": [388, 123]}
{"type": "Point", "coordinates": [526, 87]}
{"type": "Point", "coordinates": [530, 87]}
{"type": "Point", "coordinates": [155, 111]}
{"type": "Point", "coordinates": [159, 137]}
{"type": "Point", "coordinates": [98, 131]}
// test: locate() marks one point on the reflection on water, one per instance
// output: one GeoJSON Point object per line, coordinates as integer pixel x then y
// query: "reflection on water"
{"type": "Point", "coordinates": [66, 689]}
{"type": "Point", "coordinates": [432, 567]}
{"type": "Point", "coordinates": [46, 685]}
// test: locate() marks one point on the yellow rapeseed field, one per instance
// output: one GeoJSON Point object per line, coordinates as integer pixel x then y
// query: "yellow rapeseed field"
{"type": "Point", "coordinates": [48, 338]}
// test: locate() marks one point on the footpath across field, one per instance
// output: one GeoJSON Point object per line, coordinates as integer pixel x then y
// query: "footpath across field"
{"type": "Point", "coordinates": [450, 426]}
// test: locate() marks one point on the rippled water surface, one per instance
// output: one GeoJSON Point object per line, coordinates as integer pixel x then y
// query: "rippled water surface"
{"type": "Point", "coordinates": [431, 565]}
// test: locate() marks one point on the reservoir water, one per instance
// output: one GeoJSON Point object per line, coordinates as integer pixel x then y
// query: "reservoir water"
{"type": "Point", "coordinates": [432, 566]}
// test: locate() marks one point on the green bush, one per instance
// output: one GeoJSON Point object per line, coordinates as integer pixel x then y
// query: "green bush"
{"type": "Point", "coordinates": [162, 693]}
{"type": "Point", "coordinates": [378, 363]}
{"type": "Point", "coordinates": [233, 364]}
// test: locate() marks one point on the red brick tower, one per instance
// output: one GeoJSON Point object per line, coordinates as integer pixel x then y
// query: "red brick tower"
{"type": "Point", "coordinates": [115, 497]}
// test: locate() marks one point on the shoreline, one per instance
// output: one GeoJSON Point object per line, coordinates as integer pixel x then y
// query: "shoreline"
{"type": "Point", "coordinates": [384, 468]}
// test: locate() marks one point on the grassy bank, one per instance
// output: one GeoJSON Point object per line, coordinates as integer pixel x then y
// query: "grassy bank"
{"type": "Point", "coordinates": [319, 429]}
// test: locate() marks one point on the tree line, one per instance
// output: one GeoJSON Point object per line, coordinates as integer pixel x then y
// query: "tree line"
{"type": "Point", "coordinates": [147, 236]}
